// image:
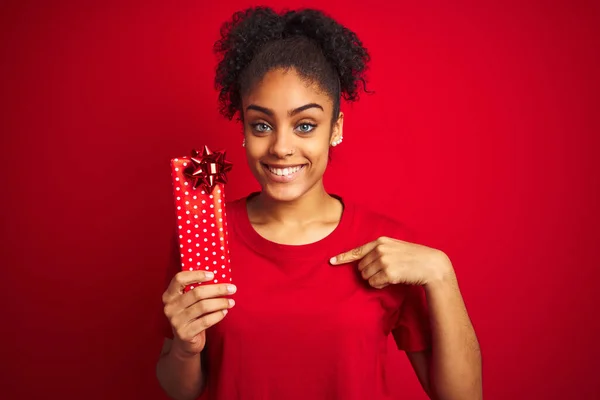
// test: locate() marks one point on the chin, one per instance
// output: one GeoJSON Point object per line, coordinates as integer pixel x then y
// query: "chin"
{"type": "Point", "coordinates": [283, 193]}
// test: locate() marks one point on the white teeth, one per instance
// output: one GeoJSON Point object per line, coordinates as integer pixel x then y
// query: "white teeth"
{"type": "Point", "coordinates": [285, 171]}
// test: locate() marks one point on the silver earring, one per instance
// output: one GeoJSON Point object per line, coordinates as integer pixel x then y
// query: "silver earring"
{"type": "Point", "coordinates": [336, 142]}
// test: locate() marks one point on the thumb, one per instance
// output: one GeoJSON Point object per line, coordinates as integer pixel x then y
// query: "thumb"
{"type": "Point", "coordinates": [353, 255]}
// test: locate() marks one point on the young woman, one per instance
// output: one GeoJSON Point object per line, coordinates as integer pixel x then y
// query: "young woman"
{"type": "Point", "coordinates": [322, 282]}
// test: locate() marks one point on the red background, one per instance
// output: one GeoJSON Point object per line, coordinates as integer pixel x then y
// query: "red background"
{"type": "Point", "coordinates": [481, 134]}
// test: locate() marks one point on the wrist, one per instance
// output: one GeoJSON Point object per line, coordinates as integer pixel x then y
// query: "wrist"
{"type": "Point", "coordinates": [442, 272]}
{"type": "Point", "coordinates": [178, 351]}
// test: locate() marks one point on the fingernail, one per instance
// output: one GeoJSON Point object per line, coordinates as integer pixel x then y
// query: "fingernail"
{"type": "Point", "coordinates": [231, 302]}
{"type": "Point", "coordinates": [231, 288]}
{"type": "Point", "coordinates": [209, 275]}
{"type": "Point", "coordinates": [332, 260]}
{"type": "Point", "coordinates": [225, 312]}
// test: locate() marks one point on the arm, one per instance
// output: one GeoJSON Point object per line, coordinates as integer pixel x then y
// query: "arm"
{"type": "Point", "coordinates": [420, 362]}
{"type": "Point", "coordinates": [453, 369]}
{"type": "Point", "coordinates": [180, 375]}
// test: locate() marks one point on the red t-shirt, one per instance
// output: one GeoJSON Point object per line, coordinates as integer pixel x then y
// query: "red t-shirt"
{"type": "Point", "coordinates": [304, 329]}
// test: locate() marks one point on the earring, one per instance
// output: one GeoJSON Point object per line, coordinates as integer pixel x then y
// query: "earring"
{"type": "Point", "coordinates": [244, 142]}
{"type": "Point", "coordinates": [336, 142]}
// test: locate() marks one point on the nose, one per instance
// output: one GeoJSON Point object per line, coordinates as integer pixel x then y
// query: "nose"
{"type": "Point", "coordinates": [282, 144]}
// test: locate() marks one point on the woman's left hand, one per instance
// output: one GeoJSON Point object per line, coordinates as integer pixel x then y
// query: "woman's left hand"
{"type": "Point", "coordinates": [387, 261]}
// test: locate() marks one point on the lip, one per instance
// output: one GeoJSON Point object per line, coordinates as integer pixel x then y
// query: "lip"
{"type": "Point", "coordinates": [282, 165]}
{"type": "Point", "coordinates": [282, 179]}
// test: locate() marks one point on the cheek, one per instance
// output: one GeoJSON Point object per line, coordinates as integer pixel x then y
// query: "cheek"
{"type": "Point", "coordinates": [318, 154]}
{"type": "Point", "coordinates": [252, 154]}
{"type": "Point", "coordinates": [254, 151]}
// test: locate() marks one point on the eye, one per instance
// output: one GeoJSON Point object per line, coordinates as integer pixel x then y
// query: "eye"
{"type": "Point", "coordinates": [306, 127]}
{"type": "Point", "coordinates": [260, 127]}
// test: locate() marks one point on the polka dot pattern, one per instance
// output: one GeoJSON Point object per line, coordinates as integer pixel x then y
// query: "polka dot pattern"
{"type": "Point", "coordinates": [201, 226]}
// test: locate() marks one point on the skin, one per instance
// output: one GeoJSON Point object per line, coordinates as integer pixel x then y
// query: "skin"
{"type": "Point", "coordinates": [288, 121]}
{"type": "Point", "coordinates": [453, 369]}
{"type": "Point", "coordinates": [287, 105]}
{"type": "Point", "coordinates": [179, 369]}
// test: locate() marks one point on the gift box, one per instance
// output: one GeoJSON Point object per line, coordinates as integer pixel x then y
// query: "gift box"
{"type": "Point", "coordinates": [199, 194]}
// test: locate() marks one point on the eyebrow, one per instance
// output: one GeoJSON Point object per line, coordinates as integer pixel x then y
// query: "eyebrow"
{"type": "Point", "coordinates": [291, 113]}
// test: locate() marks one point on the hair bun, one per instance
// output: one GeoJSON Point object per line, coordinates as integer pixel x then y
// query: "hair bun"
{"type": "Point", "coordinates": [253, 29]}
{"type": "Point", "coordinates": [307, 23]}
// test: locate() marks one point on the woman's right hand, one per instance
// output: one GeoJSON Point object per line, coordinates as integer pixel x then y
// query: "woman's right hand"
{"type": "Point", "coordinates": [192, 312]}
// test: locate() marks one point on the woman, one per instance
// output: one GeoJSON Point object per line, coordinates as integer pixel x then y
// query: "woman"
{"type": "Point", "coordinates": [322, 281]}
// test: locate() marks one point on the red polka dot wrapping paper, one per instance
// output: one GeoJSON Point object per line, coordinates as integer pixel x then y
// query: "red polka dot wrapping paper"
{"type": "Point", "coordinates": [201, 226]}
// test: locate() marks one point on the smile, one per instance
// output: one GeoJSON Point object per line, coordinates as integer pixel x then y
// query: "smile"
{"type": "Point", "coordinates": [285, 174]}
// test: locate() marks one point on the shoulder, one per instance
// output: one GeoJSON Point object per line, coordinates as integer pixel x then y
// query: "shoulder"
{"type": "Point", "coordinates": [381, 223]}
{"type": "Point", "coordinates": [235, 203]}
{"type": "Point", "coordinates": [235, 211]}
{"type": "Point", "coordinates": [239, 203]}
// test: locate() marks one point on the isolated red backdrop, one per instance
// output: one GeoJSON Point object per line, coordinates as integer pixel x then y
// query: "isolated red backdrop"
{"type": "Point", "coordinates": [482, 132]}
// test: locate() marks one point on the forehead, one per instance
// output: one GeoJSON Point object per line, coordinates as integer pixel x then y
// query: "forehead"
{"type": "Point", "coordinates": [284, 90]}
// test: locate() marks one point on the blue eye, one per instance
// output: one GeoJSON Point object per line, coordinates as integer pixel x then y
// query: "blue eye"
{"type": "Point", "coordinates": [306, 128]}
{"type": "Point", "coordinates": [261, 127]}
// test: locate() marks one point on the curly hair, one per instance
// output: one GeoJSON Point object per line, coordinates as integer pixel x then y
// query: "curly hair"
{"type": "Point", "coordinates": [258, 39]}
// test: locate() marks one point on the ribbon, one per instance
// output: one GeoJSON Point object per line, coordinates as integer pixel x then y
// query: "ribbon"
{"type": "Point", "coordinates": [207, 170]}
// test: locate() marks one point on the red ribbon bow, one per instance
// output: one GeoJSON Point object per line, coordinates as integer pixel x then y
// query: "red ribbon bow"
{"type": "Point", "coordinates": [208, 170]}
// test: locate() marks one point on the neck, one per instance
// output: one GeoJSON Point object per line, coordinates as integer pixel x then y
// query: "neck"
{"type": "Point", "coordinates": [299, 211]}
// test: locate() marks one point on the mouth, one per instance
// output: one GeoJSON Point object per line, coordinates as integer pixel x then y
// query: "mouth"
{"type": "Point", "coordinates": [283, 173]}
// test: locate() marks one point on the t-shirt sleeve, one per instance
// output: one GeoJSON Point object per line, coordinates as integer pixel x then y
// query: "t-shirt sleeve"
{"type": "Point", "coordinates": [412, 331]}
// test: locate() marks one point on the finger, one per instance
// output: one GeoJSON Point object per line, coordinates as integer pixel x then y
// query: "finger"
{"type": "Point", "coordinates": [179, 303]}
{"type": "Point", "coordinates": [202, 308]}
{"type": "Point", "coordinates": [375, 254]}
{"type": "Point", "coordinates": [354, 254]}
{"type": "Point", "coordinates": [371, 269]}
{"type": "Point", "coordinates": [202, 324]}
{"type": "Point", "coordinates": [204, 292]}
{"type": "Point", "coordinates": [379, 280]}
{"type": "Point", "coordinates": [185, 278]}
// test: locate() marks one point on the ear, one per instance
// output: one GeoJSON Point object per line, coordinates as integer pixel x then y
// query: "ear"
{"type": "Point", "coordinates": [337, 130]}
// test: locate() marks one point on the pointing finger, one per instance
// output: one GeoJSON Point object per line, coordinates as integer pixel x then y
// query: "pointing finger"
{"type": "Point", "coordinates": [354, 254]}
